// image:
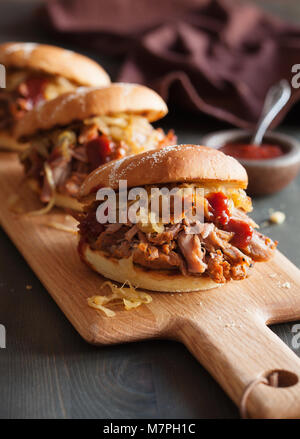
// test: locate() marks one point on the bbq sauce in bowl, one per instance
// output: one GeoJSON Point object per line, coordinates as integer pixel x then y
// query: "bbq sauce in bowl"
{"type": "Point", "coordinates": [252, 152]}
{"type": "Point", "coordinates": [267, 175]}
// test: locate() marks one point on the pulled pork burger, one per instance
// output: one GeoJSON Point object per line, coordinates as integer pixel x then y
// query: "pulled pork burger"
{"type": "Point", "coordinates": [37, 73]}
{"type": "Point", "coordinates": [182, 254]}
{"type": "Point", "coordinates": [75, 133]}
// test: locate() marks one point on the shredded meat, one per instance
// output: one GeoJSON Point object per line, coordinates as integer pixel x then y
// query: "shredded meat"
{"type": "Point", "coordinates": [190, 247]}
{"type": "Point", "coordinates": [80, 154]}
{"type": "Point", "coordinates": [163, 238]}
{"type": "Point", "coordinates": [113, 228]}
{"type": "Point", "coordinates": [218, 268]}
{"type": "Point", "coordinates": [89, 228]}
{"type": "Point", "coordinates": [109, 239]}
{"type": "Point", "coordinates": [201, 249]}
{"type": "Point", "coordinates": [131, 232]}
{"type": "Point", "coordinates": [195, 228]}
{"type": "Point", "coordinates": [80, 150]}
{"type": "Point", "coordinates": [151, 257]}
{"type": "Point", "coordinates": [14, 104]}
{"type": "Point", "coordinates": [242, 216]}
{"type": "Point", "coordinates": [260, 248]}
{"type": "Point", "coordinates": [214, 238]}
{"type": "Point", "coordinates": [60, 168]}
{"type": "Point", "coordinates": [60, 171]}
{"type": "Point", "coordinates": [123, 250]}
{"type": "Point", "coordinates": [226, 261]}
{"type": "Point", "coordinates": [221, 270]}
{"type": "Point", "coordinates": [72, 184]}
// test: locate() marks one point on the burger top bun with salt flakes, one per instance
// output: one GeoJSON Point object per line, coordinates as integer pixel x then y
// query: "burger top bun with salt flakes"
{"type": "Point", "coordinates": [170, 164]}
{"type": "Point", "coordinates": [87, 102]}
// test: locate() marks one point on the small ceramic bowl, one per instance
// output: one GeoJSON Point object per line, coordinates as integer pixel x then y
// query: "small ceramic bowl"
{"type": "Point", "coordinates": [265, 176]}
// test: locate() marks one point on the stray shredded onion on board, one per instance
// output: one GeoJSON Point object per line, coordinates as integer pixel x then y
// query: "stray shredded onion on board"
{"type": "Point", "coordinates": [51, 203]}
{"type": "Point", "coordinates": [62, 227]}
{"type": "Point", "coordinates": [44, 210]}
{"type": "Point", "coordinates": [128, 295]}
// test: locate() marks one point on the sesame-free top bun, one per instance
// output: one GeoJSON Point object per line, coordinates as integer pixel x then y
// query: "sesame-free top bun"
{"type": "Point", "coordinates": [87, 102]}
{"type": "Point", "coordinates": [177, 163]}
{"type": "Point", "coordinates": [54, 60]}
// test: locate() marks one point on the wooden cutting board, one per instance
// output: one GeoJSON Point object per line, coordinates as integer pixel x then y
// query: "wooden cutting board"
{"type": "Point", "coordinates": [224, 328]}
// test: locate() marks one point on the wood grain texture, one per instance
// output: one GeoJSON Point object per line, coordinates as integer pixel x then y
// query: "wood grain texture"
{"type": "Point", "coordinates": [224, 328]}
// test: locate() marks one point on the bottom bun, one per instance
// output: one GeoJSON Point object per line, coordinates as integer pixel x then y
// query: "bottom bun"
{"type": "Point", "coordinates": [60, 200]}
{"type": "Point", "coordinates": [122, 270]}
{"type": "Point", "coordinates": [8, 143]}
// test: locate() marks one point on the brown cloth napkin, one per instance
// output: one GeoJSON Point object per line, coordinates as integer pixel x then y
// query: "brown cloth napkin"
{"type": "Point", "coordinates": [212, 56]}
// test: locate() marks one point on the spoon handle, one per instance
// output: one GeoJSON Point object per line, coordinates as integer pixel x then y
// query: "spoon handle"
{"type": "Point", "coordinates": [276, 98]}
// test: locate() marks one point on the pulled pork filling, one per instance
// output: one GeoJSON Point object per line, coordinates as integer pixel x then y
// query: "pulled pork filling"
{"type": "Point", "coordinates": [24, 90]}
{"type": "Point", "coordinates": [71, 153]}
{"type": "Point", "coordinates": [224, 246]}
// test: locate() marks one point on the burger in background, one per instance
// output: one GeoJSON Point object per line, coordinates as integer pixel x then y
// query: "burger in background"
{"type": "Point", "coordinates": [36, 73]}
{"type": "Point", "coordinates": [75, 133]}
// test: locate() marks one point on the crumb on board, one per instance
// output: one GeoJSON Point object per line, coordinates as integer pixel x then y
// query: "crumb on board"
{"type": "Point", "coordinates": [62, 227]}
{"type": "Point", "coordinates": [233, 325]}
{"type": "Point", "coordinates": [274, 218]}
{"type": "Point", "coordinates": [277, 217]}
{"type": "Point", "coordinates": [285, 285]}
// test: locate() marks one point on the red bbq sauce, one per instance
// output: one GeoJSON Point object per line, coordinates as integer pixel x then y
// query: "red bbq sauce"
{"type": "Point", "coordinates": [242, 232]}
{"type": "Point", "coordinates": [33, 89]}
{"type": "Point", "coordinates": [252, 152]}
{"type": "Point", "coordinates": [218, 207]}
{"type": "Point", "coordinates": [99, 151]}
{"type": "Point", "coordinates": [220, 215]}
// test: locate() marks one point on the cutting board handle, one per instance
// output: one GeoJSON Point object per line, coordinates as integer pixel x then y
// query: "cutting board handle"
{"type": "Point", "coordinates": [237, 353]}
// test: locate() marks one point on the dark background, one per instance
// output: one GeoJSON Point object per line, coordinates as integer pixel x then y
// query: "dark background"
{"type": "Point", "coordinates": [48, 371]}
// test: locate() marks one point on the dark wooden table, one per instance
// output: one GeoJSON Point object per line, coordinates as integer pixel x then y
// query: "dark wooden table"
{"type": "Point", "coordinates": [48, 371]}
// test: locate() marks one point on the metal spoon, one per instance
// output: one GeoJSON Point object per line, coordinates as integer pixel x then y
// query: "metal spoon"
{"type": "Point", "coordinates": [276, 98]}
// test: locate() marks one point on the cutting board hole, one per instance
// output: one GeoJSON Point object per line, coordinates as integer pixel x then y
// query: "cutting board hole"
{"type": "Point", "coordinates": [281, 378]}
